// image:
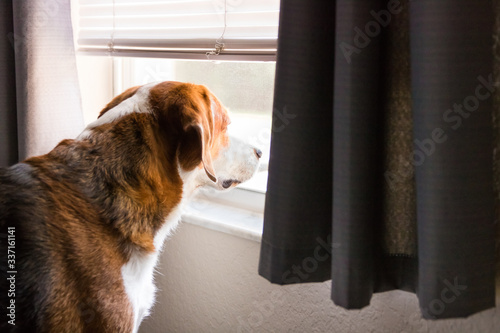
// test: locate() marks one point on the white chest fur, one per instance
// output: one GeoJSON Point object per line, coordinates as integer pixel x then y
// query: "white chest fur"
{"type": "Point", "coordinates": [138, 272]}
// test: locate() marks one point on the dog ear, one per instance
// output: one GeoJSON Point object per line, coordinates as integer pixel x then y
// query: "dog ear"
{"type": "Point", "coordinates": [195, 120]}
{"type": "Point", "coordinates": [195, 147]}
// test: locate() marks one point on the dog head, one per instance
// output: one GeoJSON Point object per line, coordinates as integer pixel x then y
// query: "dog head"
{"type": "Point", "coordinates": [193, 123]}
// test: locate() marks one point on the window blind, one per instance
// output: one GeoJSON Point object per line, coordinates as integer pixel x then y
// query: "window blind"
{"type": "Point", "coordinates": [186, 29]}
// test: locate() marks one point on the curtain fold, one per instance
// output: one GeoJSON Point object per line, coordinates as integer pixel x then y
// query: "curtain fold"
{"type": "Point", "coordinates": [410, 196]}
{"type": "Point", "coordinates": [452, 85]}
{"type": "Point", "coordinates": [8, 114]}
{"type": "Point", "coordinates": [357, 154]}
{"type": "Point", "coordinates": [45, 84]}
{"type": "Point", "coordinates": [295, 244]}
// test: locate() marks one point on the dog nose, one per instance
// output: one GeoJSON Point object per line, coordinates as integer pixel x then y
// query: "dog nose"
{"type": "Point", "coordinates": [258, 152]}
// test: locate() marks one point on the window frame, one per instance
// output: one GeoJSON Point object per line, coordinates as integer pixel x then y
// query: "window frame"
{"type": "Point", "coordinates": [239, 211]}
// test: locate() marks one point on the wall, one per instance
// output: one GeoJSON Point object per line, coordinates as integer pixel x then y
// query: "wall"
{"type": "Point", "coordinates": [208, 282]}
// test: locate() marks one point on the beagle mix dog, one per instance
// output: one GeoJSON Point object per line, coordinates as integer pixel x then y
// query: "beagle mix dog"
{"type": "Point", "coordinates": [84, 224]}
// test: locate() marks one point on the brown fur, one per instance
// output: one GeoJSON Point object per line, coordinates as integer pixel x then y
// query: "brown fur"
{"type": "Point", "coordinates": [81, 210]}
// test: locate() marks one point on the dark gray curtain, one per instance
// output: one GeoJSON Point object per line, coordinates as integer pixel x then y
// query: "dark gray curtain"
{"type": "Point", "coordinates": [402, 93]}
{"type": "Point", "coordinates": [8, 110]}
{"type": "Point", "coordinates": [39, 91]}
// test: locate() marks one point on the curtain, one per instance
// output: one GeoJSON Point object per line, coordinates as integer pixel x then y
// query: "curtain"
{"type": "Point", "coordinates": [8, 119]}
{"type": "Point", "coordinates": [39, 92]}
{"type": "Point", "coordinates": [381, 171]}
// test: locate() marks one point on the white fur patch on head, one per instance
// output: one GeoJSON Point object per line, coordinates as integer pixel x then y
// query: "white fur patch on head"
{"type": "Point", "coordinates": [236, 163]}
{"type": "Point", "coordinates": [137, 103]}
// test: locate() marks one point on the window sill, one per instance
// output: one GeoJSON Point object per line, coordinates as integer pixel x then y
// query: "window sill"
{"type": "Point", "coordinates": [221, 217]}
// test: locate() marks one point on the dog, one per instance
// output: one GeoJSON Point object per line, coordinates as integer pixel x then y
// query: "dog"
{"type": "Point", "coordinates": [82, 226]}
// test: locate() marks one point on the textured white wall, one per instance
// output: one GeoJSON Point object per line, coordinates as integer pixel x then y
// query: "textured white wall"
{"type": "Point", "coordinates": [208, 282]}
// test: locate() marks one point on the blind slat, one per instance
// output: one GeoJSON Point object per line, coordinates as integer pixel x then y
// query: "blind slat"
{"type": "Point", "coordinates": [201, 43]}
{"type": "Point", "coordinates": [182, 21]}
{"type": "Point", "coordinates": [179, 26]}
{"type": "Point", "coordinates": [176, 7]}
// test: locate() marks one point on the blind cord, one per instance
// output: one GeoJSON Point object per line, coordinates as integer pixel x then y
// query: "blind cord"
{"type": "Point", "coordinates": [219, 42]}
{"type": "Point", "coordinates": [111, 43]}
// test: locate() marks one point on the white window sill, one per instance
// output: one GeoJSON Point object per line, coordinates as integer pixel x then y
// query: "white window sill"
{"type": "Point", "coordinates": [217, 212]}
{"type": "Point", "coordinates": [238, 212]}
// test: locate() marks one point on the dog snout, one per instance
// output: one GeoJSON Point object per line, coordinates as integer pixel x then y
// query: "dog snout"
{"type": "Point", "coordinates": [257, 152]}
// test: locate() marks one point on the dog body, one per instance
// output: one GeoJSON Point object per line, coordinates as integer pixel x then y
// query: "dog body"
{"type": "Point", "coordinates": [88, 219]}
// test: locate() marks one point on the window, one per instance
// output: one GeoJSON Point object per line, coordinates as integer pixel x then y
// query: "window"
{"type": "Point", "coordinates": [227, 45]}
{"type": "Point", "coordinates": [245, 88]}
